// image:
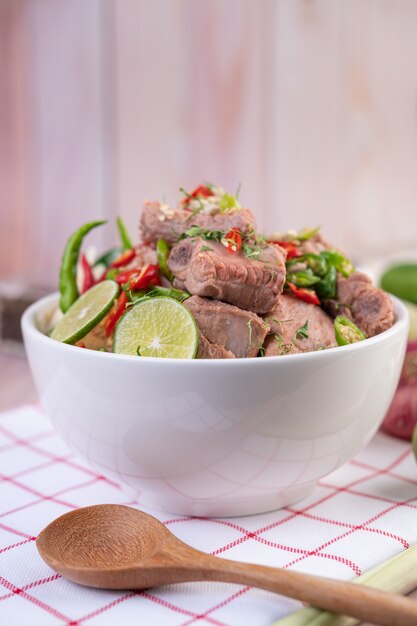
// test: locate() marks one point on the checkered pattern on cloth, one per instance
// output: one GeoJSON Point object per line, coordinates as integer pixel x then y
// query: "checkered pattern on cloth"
{"type": "Point", "coordinates": [357, 517]}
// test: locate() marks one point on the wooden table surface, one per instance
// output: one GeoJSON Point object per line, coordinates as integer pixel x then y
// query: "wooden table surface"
{"type": "Point", "coordinates": [17, 387]}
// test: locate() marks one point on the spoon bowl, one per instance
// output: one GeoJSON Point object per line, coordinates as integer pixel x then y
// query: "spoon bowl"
{"type": "Point", "coordinates": [118, 547]}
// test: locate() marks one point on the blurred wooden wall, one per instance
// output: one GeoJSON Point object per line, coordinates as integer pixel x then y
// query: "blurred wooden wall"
{"type": "Point", "coordinates": [311, 104]}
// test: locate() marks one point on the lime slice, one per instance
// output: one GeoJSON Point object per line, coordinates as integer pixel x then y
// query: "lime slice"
{"type": "Point", "coordinates": [86, 312]}
{"type": "Point", "coordinates": [160, 327]}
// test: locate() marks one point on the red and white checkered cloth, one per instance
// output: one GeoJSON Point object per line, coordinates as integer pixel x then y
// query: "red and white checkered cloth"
{"type": "Point", "coordinates": [356, 518]}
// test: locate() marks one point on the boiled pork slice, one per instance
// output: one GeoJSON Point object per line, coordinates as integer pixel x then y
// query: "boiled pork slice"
{"type": "Point", "coordinates": [207, 268]}
{"type": "Point", "coordinates": [314, 245]}
{"type": "Point", "coordinates": [144, 255]}
{"type": "Point", "coordinates": [226, 328]}
{"type": "Point", "coordinates": [159, 221]}
{"type": "Point", "coordinates": [367, 306]}
{"type": "Point", "coordinates": [208, 350]}
{"type": "Point", "coordinates": [297, 326]}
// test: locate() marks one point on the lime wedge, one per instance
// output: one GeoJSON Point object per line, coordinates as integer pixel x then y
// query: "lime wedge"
{"type": "Point", "coordinates": [86, 312]}
{"type": "Point", "coordinates": [160, 327]}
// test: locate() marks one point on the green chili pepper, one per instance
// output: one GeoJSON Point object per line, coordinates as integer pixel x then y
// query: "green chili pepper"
{"type": "Point", "coordinates": [162, 253]}
{"type": "Point", "coordinates": [68, 272]}
{"type": "Point", "coordinates": [346, 331]}
{"type": "Point", "coordinates": [326, 287]}
{"type": "Point", "coordinates": [315, 262]}
{"type": "Point", "coordinates": [303, 279]}
{"type": "Point", "coordinates": [337, 260]}
{"type": "Point", "coordinates": [227, 202]}
{"type": "Point", "coordinates": [124, 237]}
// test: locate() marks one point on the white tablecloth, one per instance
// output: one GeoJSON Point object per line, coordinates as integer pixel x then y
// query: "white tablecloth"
{"type": "Point", "coordinates": [356, 518]}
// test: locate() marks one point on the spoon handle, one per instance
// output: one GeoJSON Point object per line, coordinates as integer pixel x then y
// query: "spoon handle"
{"type": "Point", "coordinates": [358, 601]}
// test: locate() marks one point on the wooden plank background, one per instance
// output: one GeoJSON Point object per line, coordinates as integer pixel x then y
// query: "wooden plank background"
{"type": "Point", "coordinates": [311, 104]}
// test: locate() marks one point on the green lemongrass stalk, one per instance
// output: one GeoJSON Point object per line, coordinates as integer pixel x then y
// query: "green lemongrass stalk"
{"type": "Point", "coordinates": [397, 575]}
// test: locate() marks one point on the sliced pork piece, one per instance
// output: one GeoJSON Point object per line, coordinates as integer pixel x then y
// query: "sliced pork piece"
{"type": "Point", "coordinates": [315, 245]}
{"type": "Point", "coordinates": [367, 306]}
{"type": "Point", "coordinates": [159, 221]}
{"type": "Point", "coordinates": [145, 255]}
{"type": "Point", "coordinates": [298, 327]}
{"type": "Point", "coordinates": [239, 333]}
{"type": "Point", "coordinates": [207, 268]}
{"type": "Point", "coordinates": [208, 350]}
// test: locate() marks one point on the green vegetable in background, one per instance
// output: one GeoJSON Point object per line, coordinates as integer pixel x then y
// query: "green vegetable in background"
{"type": "Point", "coordinates": [124, 237]}
{"type": "Point", "coordinates": [346, 331]}
{"type": "Point", "coordinates": [68, 272]}
{"type": "Point", "coordinates": [162, 253]}
{"type": "Point", "coordinates": [401, 281]}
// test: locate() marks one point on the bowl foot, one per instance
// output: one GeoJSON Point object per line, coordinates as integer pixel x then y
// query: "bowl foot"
{"type": "Point", "coordinates": [221, 507]}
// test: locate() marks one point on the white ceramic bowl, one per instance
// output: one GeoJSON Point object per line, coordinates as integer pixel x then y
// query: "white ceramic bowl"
{"type": "Point", "coordinates": [216, 437]}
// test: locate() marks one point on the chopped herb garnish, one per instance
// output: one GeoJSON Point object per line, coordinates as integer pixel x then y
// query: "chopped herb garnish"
{"type": "Point", "coordinates": [261, 350]}
{"type": "Point", "coordinates": [302, 332]}
{"type": "Point", "coordinates": [342, 305]}
{"type": "Point", "coordinates": [138, 351]}
{"type": "Point", "coordinates": [206, 249]}
{"type": "Point", "coordinates": [285, 348]}
{"type": "Point", "coordinates": [281, 322]}
{"type": "Point", "coordinates": [252, 252]}
{"type": "Point", "coordinates": [252, 244]}
{"type": "Point", "coordinates": [204, 233]}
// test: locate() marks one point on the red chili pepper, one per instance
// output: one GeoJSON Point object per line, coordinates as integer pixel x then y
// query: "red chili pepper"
{"type": "Point", "coordinates": [233, 240]}
{"type": "Point", "coordinates": [292, 250]}
{"type": "Point", "coordinates": [124, 258]}
{"type": "Point", "coordinates": [88, 276]}
{"type": "Point", "coordinates": [306, 295]}
{"type": "Point", "coordinates": [124, 277]}
{"type": "Point", "coordinates": [202, 191]}
{"type": "Point", "coordinates": [116, 313]}
{"type": "Point", "coordinates": [80, 345]}
{"type": "Point", "coordinates": [148, 276]}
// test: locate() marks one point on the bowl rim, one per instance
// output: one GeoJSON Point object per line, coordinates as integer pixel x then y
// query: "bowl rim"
{"type": "Point", "coordinates": [29, 328]}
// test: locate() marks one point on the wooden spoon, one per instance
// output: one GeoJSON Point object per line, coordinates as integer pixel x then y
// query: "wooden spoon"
{"type": "Point", "coordinates": [118, 547]}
